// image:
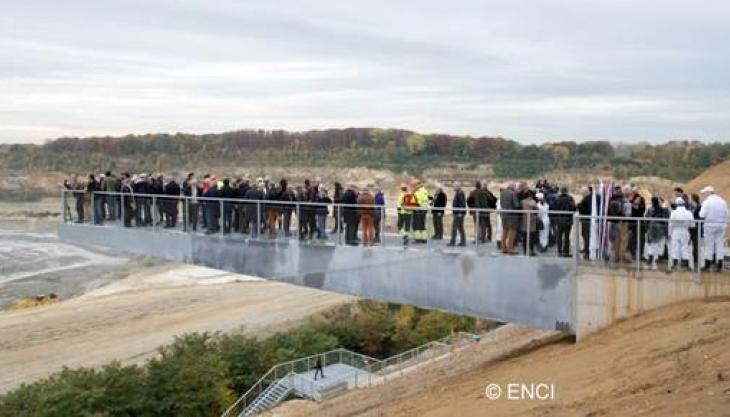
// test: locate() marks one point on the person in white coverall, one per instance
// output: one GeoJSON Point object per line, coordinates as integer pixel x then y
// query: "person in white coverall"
{"type": "Point", "coordinates": [714, 212]}
{"type": "Point", "coordinates": [680, 221]}
{"type": "Point", "coordinates": [542, 214]}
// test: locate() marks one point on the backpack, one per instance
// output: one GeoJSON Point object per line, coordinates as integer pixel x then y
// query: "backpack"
{"type": "Point", "coordinates": [410, 200]}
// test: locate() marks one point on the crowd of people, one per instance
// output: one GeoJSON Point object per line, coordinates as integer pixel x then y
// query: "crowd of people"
{"type": "Point", "coordinates": [533, 218]}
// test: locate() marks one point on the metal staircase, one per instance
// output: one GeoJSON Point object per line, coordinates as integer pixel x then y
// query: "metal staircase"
{"type": "Point", "coordinates": [271, 396]}
{"type": "Point", "coordinates": [294, 377]}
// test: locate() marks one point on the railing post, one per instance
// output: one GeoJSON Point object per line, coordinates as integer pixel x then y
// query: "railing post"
{"type": "Point", "coordinates": [670, 245]}
{"type": "Point", "coordinates": [700, 250]}
{"type": "Point", "coordinates": [428, 215]}
{"type": "Point", "coordinates": [186, 213]}
{"type": "Point", "coordinates": [340, 223]}
{"type": "Point", "coordinates": [297, 207]}
{"type": "Point", "coordinates": [222, 224]}
{"type": "Point", "coordinates": [638, 247]}
{"type": "Point", "coordinates": [63, 205]}
{"type": "Point", "coordinates": [121, 211]}
{"type": "Point", "coordinates": [577, 229]}
{"type": "Point", "coordinates": [381, 212]}
{"type": "Point", "coordinates": [476, 226]}
{"type": "Point", "coordinates": [93, 208]}
{"type": "Point", "coordinates": [528, 233]}
{"type": "Point", "coordinates": [258, 220]}
{"type": "Point", "coordinates": [154, 213]}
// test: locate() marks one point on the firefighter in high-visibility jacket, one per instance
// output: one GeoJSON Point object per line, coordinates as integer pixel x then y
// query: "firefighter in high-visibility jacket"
{"type": "Point", "coordinates": [404, 213]}
{"type": "Point", "coordinates": [419, 233]}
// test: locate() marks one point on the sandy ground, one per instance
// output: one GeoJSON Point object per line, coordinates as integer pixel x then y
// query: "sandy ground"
{"type": "Point", "coordinates": [129, 319]}
{"type": "Point", "coordinates": [670, 362]}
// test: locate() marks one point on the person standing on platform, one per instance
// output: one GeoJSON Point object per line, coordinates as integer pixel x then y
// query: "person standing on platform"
{"type": "Point", "coordinates": [439, 202]}
{"type": "Point", "coordinates": [714, 212]}
{"type": "Point", "coordinates": [458, 213]}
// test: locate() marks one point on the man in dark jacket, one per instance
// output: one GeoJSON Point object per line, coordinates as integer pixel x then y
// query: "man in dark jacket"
{"type": "Point", "coordinates": [510, 221]}
{"type": "Point", "coordinates": [170, 202]}
{"type": "Point", "coordinates": [349, 214]}
{"type": "Point", "coordinates": [380, 215]}
{"type": "Point", "coordinates": [127, 200]}
{"type": "Point", "coordinates": [585, 208]}
{"type": "Point", "coordinates": [141, 188]}
{"type": "Point", "coordinates": [337, 199]}
{"type": "Point", "coordinates": [459, 205]}
{"type": "Point", "coordinates": [230, 193]}
{"type": "Point", "coordinates": [482, 199]}
{"type": "Point", "coordinates": [286, 195]}
{"type": "Point", "coordinates": [158, 188]}
{"type": "Point", "coordinates": [438, 204]}
{"type": "Point", "coordinates": [255, 211]}
{"type": "Point", "coordinates": [638, 209]}
{"type": "Point", "coordinates": [93, 187]}
{"type": "Point", "coordinates": [240, 219]}
{"type": "Point", "coordinates": [212, 208]}
{"type": "Point", "coordinates": [563, 222]}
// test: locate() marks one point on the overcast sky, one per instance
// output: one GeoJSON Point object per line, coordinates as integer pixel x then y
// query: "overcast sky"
{"type": "Point", "coordinates": [529, 70]}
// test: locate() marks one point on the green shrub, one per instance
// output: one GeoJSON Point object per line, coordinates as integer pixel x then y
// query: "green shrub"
{"type": "Point", "coordinates": [200, 375]}
{"type": "Point", "coordinates": [111, 391]}
{"type": "Point", "coordinates": [245, 358]}
{"type": "Point", "coordinates": [189, 379]}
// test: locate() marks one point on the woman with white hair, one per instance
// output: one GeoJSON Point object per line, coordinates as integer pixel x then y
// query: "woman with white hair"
{"type": "Point", "coordinates": [542, 214]}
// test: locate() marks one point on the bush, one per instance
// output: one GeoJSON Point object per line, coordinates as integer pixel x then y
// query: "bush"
{"type": "Point", "coordinates": [245, 358]}
{"type": "Point", "coordinates": [200, 375]}
{"type": "Point", "coordinates": [111, 391]}
{"type": "Point", "coordinates": [188, 380]}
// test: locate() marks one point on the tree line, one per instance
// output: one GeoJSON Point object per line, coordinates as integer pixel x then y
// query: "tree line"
{"type": "Point", "coordinates": [393, 149]}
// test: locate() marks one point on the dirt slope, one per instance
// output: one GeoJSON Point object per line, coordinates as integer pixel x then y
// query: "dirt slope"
{"type": "Point", "coordinates": [718, 176]}
{"type": "Point", "coordinates": [128, 319]}
{"type": "Point", "coordinates": [670, 362]}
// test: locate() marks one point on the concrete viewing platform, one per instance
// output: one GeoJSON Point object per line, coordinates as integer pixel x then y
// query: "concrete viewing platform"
{"type": "Point", "coordinates": [546, 292]}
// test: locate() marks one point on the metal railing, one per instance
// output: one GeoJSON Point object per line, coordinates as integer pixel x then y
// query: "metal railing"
{"type": "Point", "coordinates": [272, 219]}
{"type": "Point", "coordinates": [643, 243]}
{"type": "Point", "coordinates": [370, 371]}
{"type": "Point", "coordinates": [296, 366]}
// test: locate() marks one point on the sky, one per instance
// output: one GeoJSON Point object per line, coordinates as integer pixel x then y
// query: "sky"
{"type": "Point", "coordinates": [534, 71]}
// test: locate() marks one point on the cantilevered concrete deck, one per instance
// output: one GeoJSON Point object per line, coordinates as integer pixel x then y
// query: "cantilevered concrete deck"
{"type": "Point", "coordinates": [546, 292]}
{"type": "Point", "coordinates": [537, 291]}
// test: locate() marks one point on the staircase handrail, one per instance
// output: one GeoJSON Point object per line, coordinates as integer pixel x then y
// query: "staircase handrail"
{"type": "Point", "coordinates": [259, 384]}
{"type": "Point", "coordinates": [378, 364]}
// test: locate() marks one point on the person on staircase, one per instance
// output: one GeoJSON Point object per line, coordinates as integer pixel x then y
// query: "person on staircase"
{"type": "Point", "coordinates": [318, 368]}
